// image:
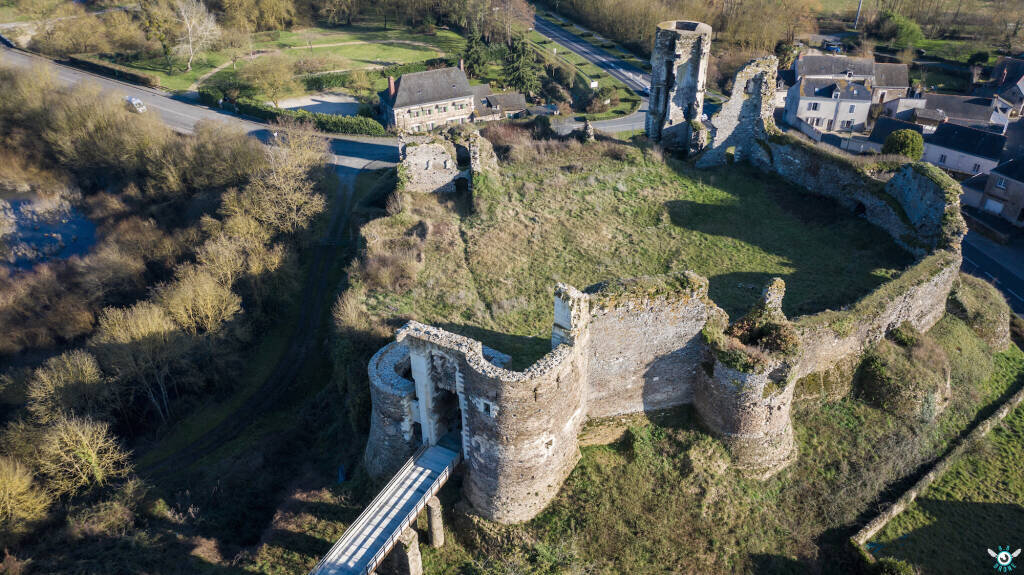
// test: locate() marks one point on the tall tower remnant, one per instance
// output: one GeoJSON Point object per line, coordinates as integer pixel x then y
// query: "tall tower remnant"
{"type": "Point", "coordinates": [679, 63]}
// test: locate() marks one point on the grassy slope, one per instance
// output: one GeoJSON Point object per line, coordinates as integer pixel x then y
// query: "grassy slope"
{"type": "Point", "coordinates": [661, 499]}
{"type": "Point", "coordinates": [978, 503]}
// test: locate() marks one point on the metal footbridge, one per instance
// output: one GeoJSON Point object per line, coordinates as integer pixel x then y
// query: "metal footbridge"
{"type": "Point", "coordinates": [366, 542]}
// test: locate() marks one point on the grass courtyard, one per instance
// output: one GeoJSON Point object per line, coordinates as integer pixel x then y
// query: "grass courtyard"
{"type": "Point", "coordinates": [585, 214]}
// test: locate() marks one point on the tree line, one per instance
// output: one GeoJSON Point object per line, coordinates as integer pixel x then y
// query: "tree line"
{"type": "Point", "coordinates": [197, 249]}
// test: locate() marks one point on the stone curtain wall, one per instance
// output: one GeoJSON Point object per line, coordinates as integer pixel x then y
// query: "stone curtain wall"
{"type": "Point", "coordinates": [636, 345]}
{"type": "Point", "coordinates": [645, 348]}
{"type": "Point", "coordinates": [428, 167]}
{"type": "Point", "coordinates": [919, 296]}
{"type": "Point", "coordinates": [746, 119]}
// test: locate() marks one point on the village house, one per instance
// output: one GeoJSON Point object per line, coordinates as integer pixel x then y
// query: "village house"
{"type": "Point", "coordinates": [422, 101]}
{"type": "Point", "coordinates": [931, 110]}
{"type": "Point", "coordinates": [1000, 193]}
{"type": "Point", "coordinates": [835, 93]}
{"type": "Point", "coordinates": [1008, 76]}
{"type": "Point", "coordinates": [963, 150]}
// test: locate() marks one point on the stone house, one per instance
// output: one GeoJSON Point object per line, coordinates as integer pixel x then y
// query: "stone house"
{"type": "Point", "coordinates": [422, 101]}
{"type": "Point", "coordinates": [830, 105]}
{"type": "Point", "coordinates": [963, 150]}
{"type": "Point", "coordinates": [1000, 193]}
{"type": "Point", "coordinates": [488, 105]}
{"type": "Point", "coordinates": [886, 81]}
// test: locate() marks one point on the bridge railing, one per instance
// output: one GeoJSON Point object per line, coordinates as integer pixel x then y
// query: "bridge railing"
{"type": "Point", "coordinates": [386, 493]}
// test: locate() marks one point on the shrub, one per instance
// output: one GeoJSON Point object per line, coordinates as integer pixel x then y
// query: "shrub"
{"type": "Point", "coordinates": [78, 454]}
{"type": "Point", "coordinates": [905, 335]}
{"type": "Point", "coordinates": [66, 385]}
{"type": "Point", "coordinates": [890, 566]}
{"type": "Point", "coordinates": [907, 143]}
{"type": "Point", "coordinates": [982, 307]}
{"type": "Point", "coordinates": [22, 503]}
{"type": "Point", "coordinates": [912, 383]}
{"type": "Point", "coordinates": [898, 29]}
{"type": "Point", "coordinates": [324, 122]}
{"type": "Point", "coordinates": [93, 64]}
{"type": "Point", "coordinates": [210, 96]}
{"type": "Point", "coordinates": [978, 59]}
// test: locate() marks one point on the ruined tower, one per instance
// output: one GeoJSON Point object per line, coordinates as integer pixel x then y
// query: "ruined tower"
{"type": "Point", "coordinates": [679, 62]}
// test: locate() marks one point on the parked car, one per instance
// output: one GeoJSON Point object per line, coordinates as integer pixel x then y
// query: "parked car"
{"type": "Point", "coordinates": [135, 104]}
{"type": "Point", "coordinates": [645, 92]}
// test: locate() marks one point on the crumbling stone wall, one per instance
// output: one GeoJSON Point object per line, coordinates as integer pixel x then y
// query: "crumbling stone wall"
{"type": "Point", "coordinates": [645, 344]}
{"type": "Point", "coordinates": [428, 167]}
{"type": "Point", "coordinates": [746, 119]}
{"type": "Point", "coordinates": [679, 64]}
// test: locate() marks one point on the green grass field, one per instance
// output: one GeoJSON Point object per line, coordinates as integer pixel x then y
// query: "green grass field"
{"type": "Point", "coordinates": [361, 46]}
{"type": "Point", "coordinates": [587, 214]}
{"type": "Point", "coordinates": [978, 503]}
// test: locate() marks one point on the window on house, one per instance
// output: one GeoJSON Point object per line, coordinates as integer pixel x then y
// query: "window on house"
{"type": "Point", "coordinates": [942, 158]}
{"type": "Point", "coordinates": [487, 408]}
{"type": "Point", "coordinates": [976, 168]}
{"type": "Point", "coordinates": [812, 106]}
{"type": "Point", "coordinates": [852, 108]}
{"type": "Point", "coordinates": [847, 124]}
{"type": "Point", "coordinates": [1001, 183]}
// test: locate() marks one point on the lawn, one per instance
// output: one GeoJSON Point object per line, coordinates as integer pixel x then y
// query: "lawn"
{"type": "Point", "coordinates": [361, 46]}
{"type": "Point", "coordinates": [978, 504]}
{"type": "Point", "coordinates": [582, 215]}
{"type": "Point", "coordinates": [938, 81]}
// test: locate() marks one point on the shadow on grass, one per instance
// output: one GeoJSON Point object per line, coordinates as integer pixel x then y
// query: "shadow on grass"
{"type": "Point", "coordinates": [820, 241]}
{"type": "Point", "coordinates": [959, 536]}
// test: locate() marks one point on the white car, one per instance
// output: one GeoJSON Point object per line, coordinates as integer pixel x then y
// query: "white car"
{"type": "Point", "coordinates": [135, 104]}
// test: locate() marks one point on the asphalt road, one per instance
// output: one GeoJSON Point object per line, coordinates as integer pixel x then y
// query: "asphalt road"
{"type": "Point", "coordinates": [979, 263]}
{"type": "Point", "coordinates": [349, 153]}
{"type": "Point", "coordinates": [633, 77]}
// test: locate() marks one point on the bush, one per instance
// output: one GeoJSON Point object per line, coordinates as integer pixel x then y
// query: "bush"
{"type": "Point", "coordinates": [22, 503]}
{"type": "Point", "coordinates": [898, 29]}
{"type": "Point", "coordinates": [890, 566]}
{"type": "Point", "coordinates": [982, 307]}
{"type": "Point", "coordinates": [210, 96]}
{"type": "Point", "coordinates": [978, 59]}
{"type": "Point", "coordinates": [93, 64]}
{"type": "Point", "coordinates": [912, 383]}
{"type": "Point", "coordinates": [324, 122]}
{"type": "Point", "coordinates": [907, 143]}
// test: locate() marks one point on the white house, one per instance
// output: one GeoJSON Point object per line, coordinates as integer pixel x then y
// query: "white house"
{"type": "Point", "coordinates": [829, 105]}
{"type": "Point", "coordinates": [963, 150]}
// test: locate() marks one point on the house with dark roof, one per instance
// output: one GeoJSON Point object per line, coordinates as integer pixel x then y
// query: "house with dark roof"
{"type": "Point", "coordinates": [1009, 82]}
{"type": "Point", "coordinates": [884, 127]}
{"type": "Point", "coordinates": [963, 150]}
{"type": "Point", "coordinates": [972, 111]}
{"type": "Point", "coordinates": [829, 105]}
{"type": "Point", "coordinates": [999, 193]}
{"type": "Point", "coordinates": [422, 101]}
{"type": "Point", "coordinates": [887, 81]}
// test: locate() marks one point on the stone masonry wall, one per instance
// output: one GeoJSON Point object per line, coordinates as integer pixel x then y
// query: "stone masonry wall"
{"type": "Point", "coordinates": [645, 348]}
{"type": "Point", "coordinates": [519, 429]}
{"type": "Point", "coordinates": [428, 167]}
{"type": "Point", "coordinates": [746, 118]}
{"type": "Point", "coordinates": [679, 62]}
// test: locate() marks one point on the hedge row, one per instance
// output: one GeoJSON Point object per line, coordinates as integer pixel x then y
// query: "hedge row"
{"type": "Point", "coordinates": [93, 64]}
{"type": "Point", "coordinates": [324, 122]}
{"type": "Point", "coordinates": [329, 80]}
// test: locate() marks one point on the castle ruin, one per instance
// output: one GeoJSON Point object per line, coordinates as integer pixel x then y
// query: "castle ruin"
{"type": "Point", "coordinates": [650, 343]}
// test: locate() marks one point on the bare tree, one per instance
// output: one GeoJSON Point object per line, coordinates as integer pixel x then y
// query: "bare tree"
{"type": "Point", "coordinates": [199, 29]}
{"type": "Point", "coordinates": [76, 454]}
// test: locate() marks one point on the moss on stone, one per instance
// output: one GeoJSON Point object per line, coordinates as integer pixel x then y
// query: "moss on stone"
{"type": "Point", "coordinates": [910, 382]}
{"type": "Point", "coordinates": [611, 293]}
{"type": "Point", "coordinates": [980, 305]}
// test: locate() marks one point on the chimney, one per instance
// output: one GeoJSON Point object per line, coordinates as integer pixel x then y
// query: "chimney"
{"type": "Point", "coordinates": [462, 65]}
{"type": "Point", "coordinates": [391, 87]}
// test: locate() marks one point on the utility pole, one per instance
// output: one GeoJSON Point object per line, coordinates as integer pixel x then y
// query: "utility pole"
{"type": "Point", "coordinates": [856, 23]}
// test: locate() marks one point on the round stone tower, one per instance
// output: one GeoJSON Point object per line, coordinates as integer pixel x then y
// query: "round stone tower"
{"type": "Point", "coordinates": [679, 63]}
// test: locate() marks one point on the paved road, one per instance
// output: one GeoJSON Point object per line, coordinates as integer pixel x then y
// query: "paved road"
{"type": "Point", "coordinates": [633, 77]}
{"type": "Point", "coordinates": [981, 259]}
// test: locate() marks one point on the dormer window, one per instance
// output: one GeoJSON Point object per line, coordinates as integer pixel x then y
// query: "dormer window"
{"type": "Point", "coordinates": [849, 73]}
{"type": "Point", "coordinates": [835, 95]}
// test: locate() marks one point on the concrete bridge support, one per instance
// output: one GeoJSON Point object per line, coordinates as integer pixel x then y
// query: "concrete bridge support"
{"type": "Point", "coordinates": [405, 558]}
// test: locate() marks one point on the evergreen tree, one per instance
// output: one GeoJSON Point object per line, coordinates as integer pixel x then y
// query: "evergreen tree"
{"type": "Point", "coordinates": [521, 69]}
{"type": "Point", "coordinates": [475, 57]}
